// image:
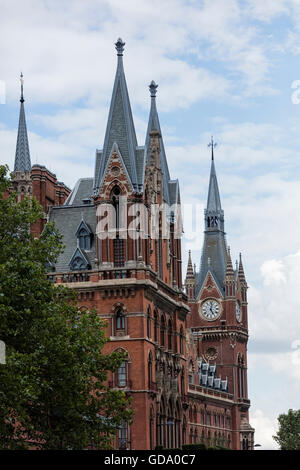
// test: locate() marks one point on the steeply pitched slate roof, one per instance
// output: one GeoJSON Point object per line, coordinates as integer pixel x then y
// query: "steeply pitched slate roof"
{"type": "Point", "coordinates": [213, 199]}
{"type": "Point", "coordinates": [22, 157]}
{"type": "Point", "coordinates": [67, 220]}
{"type": "Point", "coordinates": [214, 255]}
{"type": "Point", "coordinates": [82, 190]}
{"type": "Point", "coordinates": [153, 124]}
{"type": "Point", "coordinates": [120, 126]}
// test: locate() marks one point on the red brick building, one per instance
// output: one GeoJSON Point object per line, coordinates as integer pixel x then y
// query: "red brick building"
{"type": "Point", "coordinates": [187, 359]}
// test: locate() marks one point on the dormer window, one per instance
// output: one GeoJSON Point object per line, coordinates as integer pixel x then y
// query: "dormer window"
{"type": "Point", "coordinates": [84, 239]}
{"type": "Point", "coordinates": [79, 261]}
{"type": "Point", "coordinates": [84, 236]}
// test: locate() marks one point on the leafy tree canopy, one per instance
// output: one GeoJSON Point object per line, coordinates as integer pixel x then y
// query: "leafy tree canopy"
{"type": "Point", "coordinates": [288, 434]}
{"type": "Point", "coordinates": [52, 387]}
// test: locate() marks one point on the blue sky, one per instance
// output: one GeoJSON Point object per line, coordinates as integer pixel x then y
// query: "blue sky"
{"type": "Point", "coordinates": [224, 68]}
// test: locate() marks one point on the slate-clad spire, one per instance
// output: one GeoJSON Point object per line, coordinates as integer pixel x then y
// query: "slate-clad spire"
{"type": "Point", "coordinates": [120, 127]}
{"type": "Point", "coordinates": [214, 252]}
{"type": "Point", "coordinates": [153, 124]}
{"type": "Point", "coordinates": [22, 157]}
{"type": "Point", "coordinates": [213, 208]}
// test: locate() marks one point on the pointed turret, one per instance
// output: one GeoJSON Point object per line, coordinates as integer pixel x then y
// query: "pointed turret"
{"type": "Point", "coordinates": [22, 156]}
{"type": "Point", "coordinates": [190, 270]}
{"type": "Point", "coordinates": [241, 273]}
{"type": "Point", "coordinates": [214, 253]}
{"type": "Point", "coordinates": [190, 280]}
{"type": "Point", "coordinates": [153, 124]}
{"type": "Point", "coordinates": [120, 127]}
{"type": "Point", "coordinates": [229, 281]}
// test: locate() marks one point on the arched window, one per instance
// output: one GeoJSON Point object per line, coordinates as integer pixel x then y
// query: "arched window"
{"type": "Point", "coordinates": [169, 335]}
{"type": "Point", "coordinates": [182, 383]}
{"type": "Point", "coordinates": [115, 194]}
{"type": "Point", "coordinates": [123, 436]}
{"type": "Point", "coordinates": [149, 323]}
{"type": "Point", "coordinates": [191, 373]}
{"type": "Point", "coordinates": [155, 326]}
{"type": "Point", "coordinates": [150, 371]}
{"type": "Point", "coordinates": [122, 375]}
{"type": "Point", "coordinates": [120, 320]}
{"type": "Point", "coordinates": [181, 340]}
{"type": "Point", "coordinates": [84, 238]}
{"type": "Point", "coordinates": [162, 330]}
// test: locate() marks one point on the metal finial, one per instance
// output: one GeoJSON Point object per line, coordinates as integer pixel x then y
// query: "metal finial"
{"type": "Point", "coordinates": [22, 83]}
{"type": "Point", "coordinates": [212, 144]}
{"type": "Point", "coordinates": [120, 46]}
{"type": "Point", "coordinates": [153, 89]}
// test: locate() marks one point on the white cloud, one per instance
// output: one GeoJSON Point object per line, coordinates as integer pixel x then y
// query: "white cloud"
{"type": "Point", "coordinates": [275, 306]}
{"type": "Point", "coordinates": [273, 272]}
{"type": "Point", "coordinates": [265, 428]}
{"type": "Point", "coordinates": [66, 50]}
{"type": "Point", "coordinates": [268, 9]}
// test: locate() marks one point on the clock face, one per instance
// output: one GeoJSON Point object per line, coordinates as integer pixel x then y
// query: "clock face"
{"type": "Point", "coordinates": [211, 310]}
{"type": "Point", "coordinates": [238, 312]}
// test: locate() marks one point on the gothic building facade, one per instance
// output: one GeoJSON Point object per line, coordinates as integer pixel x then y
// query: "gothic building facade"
{"type": "Point", "coordinates": [186, 344]}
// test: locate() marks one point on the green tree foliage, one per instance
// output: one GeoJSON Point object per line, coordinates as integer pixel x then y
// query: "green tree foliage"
{"type": "Point", "coordinates": [288, 434]}
{"type": "Point", "coordinates": [52, 387]}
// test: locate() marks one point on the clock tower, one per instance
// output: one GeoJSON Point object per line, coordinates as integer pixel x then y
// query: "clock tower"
{"type": "Point", "coordinates": [219, 327]}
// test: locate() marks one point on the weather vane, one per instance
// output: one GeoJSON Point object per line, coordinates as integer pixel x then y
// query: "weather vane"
{"type": "Point", "coordinates": [212, 144]}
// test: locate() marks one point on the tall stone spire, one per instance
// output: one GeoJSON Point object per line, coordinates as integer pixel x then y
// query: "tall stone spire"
{"type": "Point", "coordinates": [153, 124]}
{"type": "Point", "coordinates": [120, 127]}
{"type": "Point", "coordinates": [214, 252]}
{"type": "Point", "coordinates": [22, 156]}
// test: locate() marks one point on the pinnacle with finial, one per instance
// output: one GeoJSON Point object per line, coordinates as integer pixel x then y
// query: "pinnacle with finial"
{"type": "Point", "coordinates": [120, 46]}
{"type": "Point", "coordinates": [190, 271]}
{"type": "Point", "coordinates": [229, 268]}
{"type": "Point", "coordinates": [153, 89]}
{"type": "Point", "coordinates": [241, 270]}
